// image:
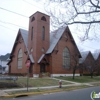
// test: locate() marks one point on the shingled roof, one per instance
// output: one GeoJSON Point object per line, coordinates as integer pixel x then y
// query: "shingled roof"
{"type": "Point", "coordinates": [54, 38]}
{"type": "Point", "coordinates": [84, 55]}
{"type": "Point", "coordinates": [24, 34]}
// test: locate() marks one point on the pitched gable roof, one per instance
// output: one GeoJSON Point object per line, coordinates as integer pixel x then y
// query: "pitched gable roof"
{"type": "Point", "coordinates": [54, 38]}
{"type": "Point", "coordinates": [5, 57]}
{"type": "Point", "coordinates": [84, 55]}
{"type": "Point", "coordinates": [41, 58]}
{"type": "Point", "coordinates": [96, 55]}
{"type": "Point", "coordinates": [24, 34]}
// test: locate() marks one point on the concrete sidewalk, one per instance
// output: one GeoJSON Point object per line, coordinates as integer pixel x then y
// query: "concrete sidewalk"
{"type": "Point", "coordinates": [66, 81]}
{"type": "Point", "coordinates": [46, 87]}
{"type": "Point", "coordinates": [4, 92]}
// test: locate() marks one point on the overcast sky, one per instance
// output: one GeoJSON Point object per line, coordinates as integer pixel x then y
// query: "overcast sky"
{"type": "Point", "coordinates": [11, 22]}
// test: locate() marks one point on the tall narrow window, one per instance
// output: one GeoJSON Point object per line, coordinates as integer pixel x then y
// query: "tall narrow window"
{"type": "Point", "coordinates": [43, 33]}
{"type": "Point", "coordinates": [66, 58]}
{"type": "Point", "coordinates": [32, 34]}
{"type": "Point", "coordinates": [20, 57]}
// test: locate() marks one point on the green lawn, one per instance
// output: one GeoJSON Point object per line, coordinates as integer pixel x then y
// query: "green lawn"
{"type": "Point", "coordinates": [36, 82]}
{"type": "Point", "coordinates": [81, 79]}
{"type": "Point", "coordinates": [39, 82]}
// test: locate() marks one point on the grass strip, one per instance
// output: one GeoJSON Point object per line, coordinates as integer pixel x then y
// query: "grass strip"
{"type": "Point", "coordinates": [81, 79]}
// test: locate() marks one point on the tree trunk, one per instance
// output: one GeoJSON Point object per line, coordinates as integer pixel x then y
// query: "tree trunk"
{"type": "Point", "coordinates": [73, 73]}
{"type": "Point", "coordinates": [73, 76]}
{"type": "Point", "coordinates": [92, 75]}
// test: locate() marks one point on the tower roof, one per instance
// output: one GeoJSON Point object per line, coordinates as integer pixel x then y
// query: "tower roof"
{"type": "Point", "coordinates": [40, 13]}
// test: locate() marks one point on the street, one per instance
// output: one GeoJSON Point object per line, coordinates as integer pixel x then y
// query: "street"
{"type": "Point", "coordinates": [81, 94]}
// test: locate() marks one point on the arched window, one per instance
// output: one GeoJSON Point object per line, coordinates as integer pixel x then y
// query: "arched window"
{"type": "Point", "coordinates": [20, 58]}
{"type": "Point", "coordinates": [32, 34]}
{"type": "Point", "coordinates": [43, 18]}
{"type": "Point", "coordinates": [43, 33]}
{"type": "Point", "coordinates": [66, 58]}
{"type": "Point", "coordinates": [33, 19]}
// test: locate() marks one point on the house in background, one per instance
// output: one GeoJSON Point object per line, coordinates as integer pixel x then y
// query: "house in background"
{"type": "Point", "coordinates": [87, 63]}
{"type": "Point", "coordinates": [0, 69]}
{"type": "Point", "coordinates": [97, 62]}
{"type": "Point", "coordinates": [4, 59]}
{"type": "Point", "coordinates": [47, 52]}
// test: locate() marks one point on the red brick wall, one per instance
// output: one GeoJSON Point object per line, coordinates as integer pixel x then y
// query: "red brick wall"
{"type": "Point", "coordinates": [89, 61]}
{"type": "Point", "coordinates": [57, 59]}
{"type": "Point", "coordinates": [37, 43]}
{"type": "Point", "coordinates": [13, 64]}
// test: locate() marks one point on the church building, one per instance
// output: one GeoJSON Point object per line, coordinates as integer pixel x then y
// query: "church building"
{"type": "Point", "coordinates": [52, 53]}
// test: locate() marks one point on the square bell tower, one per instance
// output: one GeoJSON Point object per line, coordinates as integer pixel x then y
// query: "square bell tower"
{"type": "Point", "coordinates": [39, 34]}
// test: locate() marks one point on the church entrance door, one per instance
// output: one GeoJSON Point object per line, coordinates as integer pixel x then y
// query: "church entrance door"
{"type": "Point", "coordinates": [42, 68]}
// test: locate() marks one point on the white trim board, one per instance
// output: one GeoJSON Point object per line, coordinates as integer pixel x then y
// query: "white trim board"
{"type": "Point", "coordinates": [57, 75]}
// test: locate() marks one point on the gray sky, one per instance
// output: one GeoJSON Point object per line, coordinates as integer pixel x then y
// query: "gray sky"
{"type": "Point", "coordinates": [11, 22]}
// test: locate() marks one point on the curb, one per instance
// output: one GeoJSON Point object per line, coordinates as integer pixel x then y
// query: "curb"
{"type": "Point", "coordinates": [30, 93]}
{"type": "Point", "coordinates": [37, 93]}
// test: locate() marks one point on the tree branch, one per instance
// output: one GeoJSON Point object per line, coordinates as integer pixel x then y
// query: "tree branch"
{"type": "Point", "coordinates": [79, 22]}
{"type": "Point", "coordinates": [94, 4]}
{"type": "Point", "coordinates": [74, 6]}
{"type": "Point", "coordinates": [95, 11]}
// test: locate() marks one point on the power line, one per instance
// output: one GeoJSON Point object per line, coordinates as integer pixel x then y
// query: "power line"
{"type": "Point", "coordinates": [13, 12]}
{"type": "Point", "coordinates": [23, 16]}
{"type": "Point", "coordinates": [12, 24]}
{"type": "Point", "coordinates": [25, 28]}
{"type": "Point", "coordinates": [32, 4]}
{"type": "Point", "coordinates": [48, 41]}
{"type": "Point", "coordinates": [7, 28]}
{"type": "Point", "coordinates": [17, 14]}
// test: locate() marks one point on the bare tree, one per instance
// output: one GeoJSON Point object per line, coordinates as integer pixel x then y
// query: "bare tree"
{"type": "Point", "coordinates": [90, 67]}
{"type": "Point", "coordinates": [75, 64]}
{"type": "Point", "coordinates": [96, 55]}
{"type": "Point", "coordinates": [79, 12]}
{"type": "Point", "coordinates": [98, 66]}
